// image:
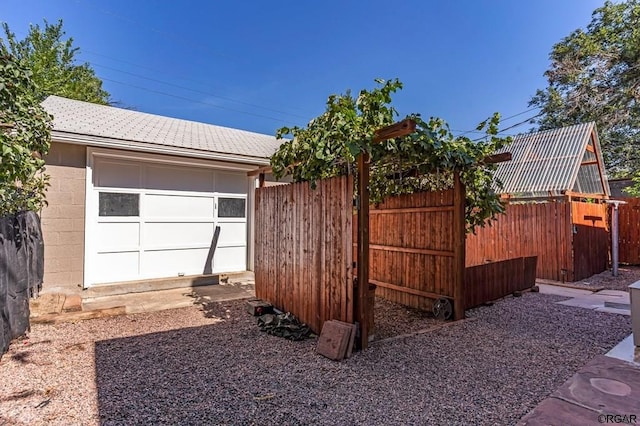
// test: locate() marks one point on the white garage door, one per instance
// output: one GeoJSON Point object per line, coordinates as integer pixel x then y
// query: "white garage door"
{"type": "Point", "coordinates": [155, 221]}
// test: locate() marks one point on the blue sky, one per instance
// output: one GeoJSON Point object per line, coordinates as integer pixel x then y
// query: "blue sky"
{"type": "Point", "coordinates": [259, 65]}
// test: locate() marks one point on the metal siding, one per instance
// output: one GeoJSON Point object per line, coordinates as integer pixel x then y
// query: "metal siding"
{"type": "Point", "coordinates": [545, 162]}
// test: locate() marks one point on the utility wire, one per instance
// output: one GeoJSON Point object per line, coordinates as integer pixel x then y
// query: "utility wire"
{"type": "Point", "coordinates": [146, 89]}
{"type": "Point", "coordinates": [184, 79]}
{"type": "Point", "coordinates": [198, 91]}
{"type": "Point", "coordinates": [501, 121]}
{"type": "Point", "coordinates": [513, 126]}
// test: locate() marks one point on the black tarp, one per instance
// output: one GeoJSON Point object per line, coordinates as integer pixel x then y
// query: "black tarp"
{"type": "Point", "coordinates": [21, 272]}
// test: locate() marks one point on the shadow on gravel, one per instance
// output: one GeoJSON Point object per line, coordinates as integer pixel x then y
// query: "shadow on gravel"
{"type": "Point", "coordinates": [199, 375]}
{"type": "Point", "coordinates": [492, 370]}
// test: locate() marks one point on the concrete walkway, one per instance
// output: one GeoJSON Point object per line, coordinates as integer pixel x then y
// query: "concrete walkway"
{"type": "Point", "coordinates": [611, 301]}
{"type": "Point", "coordinates": [56, 307]}
{"type": "Point", "coordinates": [607, 389]}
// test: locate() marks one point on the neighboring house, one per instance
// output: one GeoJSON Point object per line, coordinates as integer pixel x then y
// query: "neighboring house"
{"type": "Point", "coordinates": [136, 196]}
{"type": "Point", "coordinates": [555, 164]}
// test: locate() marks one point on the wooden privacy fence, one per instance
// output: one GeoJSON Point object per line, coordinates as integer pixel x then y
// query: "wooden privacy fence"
{"type": "Point", "coordinates": [303, 250]}
{"type": "Point", "coordinates": [492, 281]}
{"type": "Point", "coordinates": [629, 231]}
{"type": "Point", "coordinates": [417, 248]}
{"type": "Point", "coordinates": [570, 239]}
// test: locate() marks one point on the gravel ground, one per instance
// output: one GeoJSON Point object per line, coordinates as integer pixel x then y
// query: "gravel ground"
{"type": "Point", "coordinates": [605, 280]}
{"type": "Point", "coordinates": [213, 366]}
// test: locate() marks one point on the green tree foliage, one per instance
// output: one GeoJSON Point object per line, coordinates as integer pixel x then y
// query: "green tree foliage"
{"type": "Point", "coordinates": [25, 133]}
{"type": "Point", "coordinates": [595, 76]}
{"type": "Point", "coordinates": [51, 60]}
{"type": "Point", "coordinates": [424, 160]}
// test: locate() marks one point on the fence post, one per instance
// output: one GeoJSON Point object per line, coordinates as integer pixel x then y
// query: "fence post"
{"type": "Point", "coordinates": [459, 233]}
{"type": "Point", "coordinates": [363, 249]}
{"type": "Point", "coordinates": [614, 235]}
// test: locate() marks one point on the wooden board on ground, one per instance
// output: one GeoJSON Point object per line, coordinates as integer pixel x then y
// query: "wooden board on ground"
{"type": "Point", "coordinates": [352, 337]}
{"type": "Point", "coordinates": [334, 340]}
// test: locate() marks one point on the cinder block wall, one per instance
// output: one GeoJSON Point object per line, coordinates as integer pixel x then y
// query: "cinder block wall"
{"type": "Point", "coordinates": [63, 218]}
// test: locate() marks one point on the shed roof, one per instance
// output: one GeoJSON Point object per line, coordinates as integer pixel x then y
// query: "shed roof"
{"type": "Point", "coordinates": [100, 125]}
{"type": "Point", "coordinates": [553, 162]}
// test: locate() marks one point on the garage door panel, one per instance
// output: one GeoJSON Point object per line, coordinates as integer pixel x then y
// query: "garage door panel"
{"type": "Point", "coordinates": [119, 235]}
{"type": "Point", "coordinates": [163, 234]}
{"type": "Point", "coordinates": [230, 259]}
{"type": "Point", "coordinates": [231, 183]}
{"type": "Point", "coordinates": [156, 219]}
{"type": "Point", "coordinates": [174, 206]}
{"type": "Point", "coordinates": [117, 174]}
{"type": "Point", "coordinates": [232, 234]}
{"type": "Point", "coordinates": [121, 266]}
{"type": "Point", "coordinates": [171, 263]}
{"type": "Point", "coordinates": [179, 179]}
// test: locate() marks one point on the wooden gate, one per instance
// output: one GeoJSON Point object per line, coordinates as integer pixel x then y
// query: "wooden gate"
{"type": "Point", "coordinates": [590, 239]}
{"type": "Point", "coordinates": [629, 231]}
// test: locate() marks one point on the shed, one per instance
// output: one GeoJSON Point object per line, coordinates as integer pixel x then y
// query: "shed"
{"type": "Point", "coordinates": [555, 185]}
{"type": "Point", "coordinates": [552, 164]}
{"type": "Point", "coordinates": [137, 196]}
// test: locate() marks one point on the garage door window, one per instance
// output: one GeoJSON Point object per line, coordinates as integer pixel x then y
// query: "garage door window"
{"type": "Point", "coordinates": [119, 204]}
{"type": "Point", "coordinates": [231, 207]}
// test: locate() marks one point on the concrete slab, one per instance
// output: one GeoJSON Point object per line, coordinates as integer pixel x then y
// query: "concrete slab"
{"type": "Point", "coordinates": [612, 301]}
{"type": "Point", "coordinates": [605, 386]}
{"type": "Point", "coordinates": [562, 291]}
{"type": "Point", "coordinates": [48, 303]}
{"type": "Point", "coordinates": [553, 411]}
{"type": "Point", "coordinates": [50, 307]}
{"type": "Point", "coordinates": [617, 311]}
{"type": "Point", "coordinates": [626, 351]}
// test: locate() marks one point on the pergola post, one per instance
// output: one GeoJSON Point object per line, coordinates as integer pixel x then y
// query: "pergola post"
{"type": "Point", "coordinates": [402, 128]}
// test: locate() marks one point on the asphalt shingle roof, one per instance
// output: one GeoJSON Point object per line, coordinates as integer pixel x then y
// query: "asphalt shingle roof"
{"type": "Point", "coordinates": [83, 118]}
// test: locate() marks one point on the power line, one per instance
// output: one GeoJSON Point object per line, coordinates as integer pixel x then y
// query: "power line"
{"type": "Point", "coordinates": [514, 125]}
{"type": "Point", "coordinates": [501, 121]}
{"type": "Point", "coordinates": [146, 89]}
{"type": "Point", "coordinates": [199, 91]}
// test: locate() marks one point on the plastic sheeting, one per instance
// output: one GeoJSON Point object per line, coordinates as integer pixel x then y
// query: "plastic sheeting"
{"type": "Point", "coordinates": [21, 272]}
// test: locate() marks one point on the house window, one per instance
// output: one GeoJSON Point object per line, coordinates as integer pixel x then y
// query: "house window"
{"type": "Point", "coordinates": [231, 207]}
{"type": "Point", "coordinates": [118, 204]}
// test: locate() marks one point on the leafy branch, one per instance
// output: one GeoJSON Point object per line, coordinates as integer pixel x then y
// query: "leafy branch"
{"type": "Point", "coordinates": [424, 160]}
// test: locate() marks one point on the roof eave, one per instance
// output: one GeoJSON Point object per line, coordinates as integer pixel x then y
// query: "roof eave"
{"type": "Point", "coordinates": [103, 142]}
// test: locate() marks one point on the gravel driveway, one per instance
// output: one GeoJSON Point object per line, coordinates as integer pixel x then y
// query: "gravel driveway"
{"type": "Point", "coordinates": [213, 366]}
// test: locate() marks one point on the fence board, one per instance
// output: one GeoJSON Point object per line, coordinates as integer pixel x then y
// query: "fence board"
{"type": "Point", "coordinates": [412, 248]}
{"type": "Point", "coordinates": [303, 249]}
{"type": "Point", "coordinates": [629, 231]}
{"type": "Point", "coordinates": [492, 281]}
{"type": "Point", "coordinates": [569, 239]}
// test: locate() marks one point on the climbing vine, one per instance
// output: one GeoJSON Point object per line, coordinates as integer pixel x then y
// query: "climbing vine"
{"type": "Point", "coordinates": [424, 160]}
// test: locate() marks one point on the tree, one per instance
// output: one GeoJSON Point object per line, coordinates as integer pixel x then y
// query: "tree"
{"type": "Point", "coordinates": [595, 76]}
{"type": "Point", "coordinates": [25, 132]}
{"type": "Point", "coordinates": [52, 63]}
{"type": "Point", "coordinates": [424, 160]}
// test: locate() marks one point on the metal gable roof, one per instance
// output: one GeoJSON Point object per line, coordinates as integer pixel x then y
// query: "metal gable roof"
{"type": "Point", "coordinates": [113, 125]}
{"type": "Point", "coordinates": [547, 162]}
